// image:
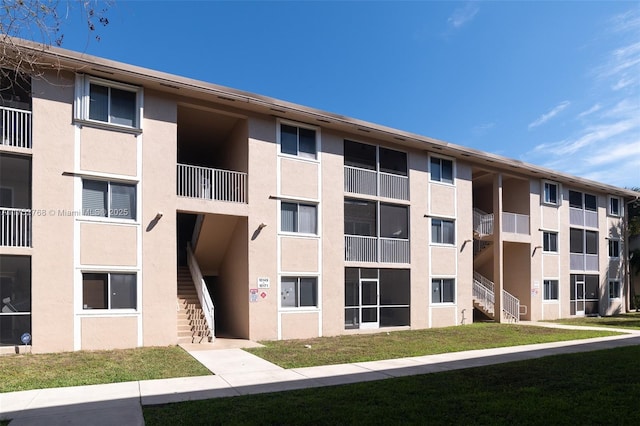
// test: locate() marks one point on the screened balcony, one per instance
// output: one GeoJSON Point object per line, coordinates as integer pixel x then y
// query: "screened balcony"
{"type": "Point", "coordinates": [15, 201]}
{"type": "Point", "coordinates": [15, 111]}
{"type": "Point", "coordinates": [515, 223]}
{"type": "Point", "coordinates": [212, 184]}
{"type": "Point", "coordinates": [376, 171]}
{"type": "Point", "coordinates": [369, 240]}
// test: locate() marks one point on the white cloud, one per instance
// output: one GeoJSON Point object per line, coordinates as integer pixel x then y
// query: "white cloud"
{"type": "Point", "coordinates": [483, 128]}
{"type": "Point", "coordinates": [463, 15]}
{"type": "Point", "coordinates": [549, 115]}
{"type": "Point", "coordinates": [590, 111]}
{"type": "Point", "coordinates": [606, 147]}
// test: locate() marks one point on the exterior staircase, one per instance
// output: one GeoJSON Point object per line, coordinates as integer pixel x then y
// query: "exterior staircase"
{"type": "Point", "coordinates": [192, 325]}
{"type": "Point", "coordinates": [484, 299]}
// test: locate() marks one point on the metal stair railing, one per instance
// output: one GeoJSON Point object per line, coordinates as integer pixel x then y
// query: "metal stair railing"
{"type": "Point", "coordinates": [510, 306]}
{"type": "Point", "coordinates": [206, 303]}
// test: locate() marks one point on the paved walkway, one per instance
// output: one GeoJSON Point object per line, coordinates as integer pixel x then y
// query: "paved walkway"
{"type": "Point", "coordinates": [239, 373]}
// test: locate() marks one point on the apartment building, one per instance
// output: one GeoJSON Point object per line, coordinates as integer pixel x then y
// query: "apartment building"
{"type": "Point", "coordinates": [139, 208]}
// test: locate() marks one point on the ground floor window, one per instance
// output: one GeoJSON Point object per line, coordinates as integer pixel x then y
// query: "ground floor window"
{"type": "Point", "coordinates": [298, 292]}
{"type": "Point", "coordinates": [15, 299]}
{"type": "Point", "coordinates": [584, 294]}
{"type": "Point", "coordinates": [109, 290]}
{"type": "Point", "coordinates": [376, 297]}
{"type": "Point", "coordinates": [614, 289]}
{"type": "Point", "coordinates": [550, 289]}
{"type": "Point", "coordinates": [443, 290]}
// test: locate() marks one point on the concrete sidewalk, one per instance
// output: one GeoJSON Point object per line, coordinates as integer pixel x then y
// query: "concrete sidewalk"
{"type": "Point", "coordinates": [239, 373]}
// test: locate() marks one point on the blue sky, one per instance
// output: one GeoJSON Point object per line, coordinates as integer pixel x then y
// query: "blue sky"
{"type": "Point", "coordinates": [555, 84]}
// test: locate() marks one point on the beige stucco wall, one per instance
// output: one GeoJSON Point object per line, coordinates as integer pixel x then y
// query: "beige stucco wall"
{"type": "Point", "coordinates": [263, 318]}
{"type": "Point", "coordinates": [109, 245]}
{"type": "Point", "coordinates": [550, 310]}
{"type": "Point", "coordinates": [443, 261]}
{"type": "Point", "coordinates": [299, 325]}
{"type": "Point", "coordinates": [464, 224]}
{"type": "Point", "coordinates": [233, 154]}
{"type": "Point", "coordinates": [444, 316]}
{"type": "Point", "coordinates": [332, 234]}
{"type": "Point", "coordinates": [52, 261]}
{"type": "Point", "coordinates": [108, 151]}
{"type": "Point", "coordinates": [299, 178]}
{"type": "Point", "coordinates": [442, 200]}
{"type": "Point", "coordinates": [109, 333]}
{"type": "Point", "coordinates": [159, 237]}
{"type": "Point", "coordinates": [299, 254]}
{"type": "Point", "coordinates": [517, 274]}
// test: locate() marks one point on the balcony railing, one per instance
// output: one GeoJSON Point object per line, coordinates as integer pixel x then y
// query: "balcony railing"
{"type": "Point", "coordinates": [373, 249]}
{"type": "Point", "coordinates": [583, 262]}
{"type": "Point", "coordinates": [15, 227]}
{"type": "Point", "coordinates": [212, 184]}
{"type": "Point", "coordinates": [370, 182]}
{"type": "Point", "coordinates": [15, 127]}
{"type": "Point", "coordinates": [582, 217]}
{"type": "Point", "coordinates": [482, 222]}
{"type": "Point", "coordinates": [515, 223]}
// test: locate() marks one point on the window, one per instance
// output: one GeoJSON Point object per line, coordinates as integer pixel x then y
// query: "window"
{"type": "Point", "coordinates": [392, 161]}
{"type": "Point", "coordinates": [109, 291]}
{"type": "Point", "coordinates": [394, 221]}
{"type": "Point", "coordinates": [550, 242]}
{"type": "Point", "coordinates": [298, 292]}
{"type": "Point", "coordinates": [441, 170]}
{"type": "Point", "coordinates": [443, 290]}
{"type": "Point", "coordinates": [582, 241]}
{"type": "Point", "coordinates": [108, 102]}
{"type": "Point", "coordinates": [443, 231]}
{"type": "Point", "coordinates": [550, 195]}
{"type": "Point", "coordinates": [298, 141]}
{"type": "Point", "coordinates": [614, 289]}
{"type": "Point", "coordinates": [360, 218]}
{"type": "Point", "coordinates": [550, 290]}
{"type": "Point", "coordinates": [614, 248]}
{"type": "Point", "coordinates": [614, 206]}
{"type": "Point", "coordinates": [582, 201]}
{"type": "Point", "coordinates": [108, 199]}
{"type": "Point", "coordinates": [296, 217]}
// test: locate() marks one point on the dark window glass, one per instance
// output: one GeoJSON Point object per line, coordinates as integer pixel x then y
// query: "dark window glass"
{"type": "Point", "coordinates": [123, 201]}
{"type": "Point", "coordinates": [590, 202]}
{"type": "Point", "coordinates": [591, 287]}
{"type": "Point", "coordinates": [550, 290]}
{"type": "Point", "coordinates": [614, 206]}
{"type": "Point", "coordinates": [95, 291]}
{"type": "Point", "coordinates": [288, 139]}
{"type": "Point", "coordinates": [123, 107]}
{"type": "Point", "coordinates": [94, 198]}
{"type": "Point", "coordinates": [360, 218]}
{"type": "Point", "coordinates": [392, 161]}
{"type": "Point", "coordinates": [123, 291]}
{"type": "Point", "coordinates": [614, 248]}
{"type": "Point", "coordinates": [443, 290]}
{"type": "Point", "coordinates": [576, 243]}
{"type": "Point", "coordinates": [395, 287]}
{"type": "Point", "coordinates": [575, 199]}
{"type": "Point", "coordinates": [98, 102]}
{"type": "Point", "coordinates": [550, 242]}
{"type": "Point", "coordinates": [359, 155]}
{"type": "Point", "coordinates": [551, 193]}
{"type": "Point", "coordinates": [591, 242]}
{"type": "Point", "coordinates": [307, 145]}
{"type": "Point", "coordinates": [441, 170]}
{"type": "Point", "coordinates": [394, 221]}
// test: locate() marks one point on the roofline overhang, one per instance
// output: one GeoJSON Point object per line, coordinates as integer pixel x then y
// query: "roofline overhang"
{"type": "Point", "coordinates": [83, 63]}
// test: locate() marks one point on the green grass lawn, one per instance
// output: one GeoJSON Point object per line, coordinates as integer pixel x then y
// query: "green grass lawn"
{"type": "Point", "coordinates": [599, 387]}
{"type": "Point", "coordinates": [399, 344]}
{"type": "Point", "coordinates": [629, 320]}
{"type": "Point", "coordinates": [23, 372]}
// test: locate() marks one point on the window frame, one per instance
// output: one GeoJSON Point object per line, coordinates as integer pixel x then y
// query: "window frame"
{"type": "Point", "coordinates": [109, 292]}
{"type": "Point", "coordinates": [109, 210]}
{"type": "Point", "coordinates": [619, 211]}
{"type": "Point", "coordinates": [82, 110]}
{"type": "Point", "coordinates": [298, 279]}
{"type": "Point", "coordinates": [298, 126]}
{"type": "Point", "coordinates": [441, 241]}
{"type": "Point", "coordinates": [441, 281]}
{"type": "Point", "coordinates": [548, 183]}
{"type": "Point", "coordinates": [548, 287]}
{"type": "Point", "coordinates": [614, 244]}
{"type": "Point", "coordinates": [441, 159]}
{"type": "Point", "coordinates": [545, 248]}
{"type": "Point", "coordinates": [297, 217]}
{"type": "Point", "coordinates": [614, 284]}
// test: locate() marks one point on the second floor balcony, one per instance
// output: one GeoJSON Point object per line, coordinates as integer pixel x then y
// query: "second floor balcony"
{"type": "Point", "coordinates": [376, 249]}
{"type": "Point", "coordinates": [372, 182]}
{"type": "Point", "coordinates": [15, 227]}
{"type": "Point", "coordinates": [212, 184]}
{"type": "Point", "coordinates": [15, 127]}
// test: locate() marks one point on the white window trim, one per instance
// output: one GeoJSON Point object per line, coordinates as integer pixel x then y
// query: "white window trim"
{"type": "Point", "coordinates": [299, 275]}
{"type": "Point", "coordinates": [558, 193]}
{"type": "Point", "coordinates": [109, 312]}
{"type": "Point", "coordinates": [108, 219]}
{"type": "Point", "coordinates": [455, 235]}
{"type": "Point", "coordinates": [544, 231]}
{"type": "Point", "coordinates": [298, 234]}
{"type": "Point", "coordinates": [455, 292]}
{"type": "Point", "coordinates": [280, 122]}
{"type": "Point", "coordinates": [620, 206]}
{"type": "Point", "coordinates": [454, 170]}
{"type": "Point", "coordinates": [551, 301]}
{"type": "Point", "coordinates": [81, 105]}
{"type": "Point", "coordinates": [612, 280]}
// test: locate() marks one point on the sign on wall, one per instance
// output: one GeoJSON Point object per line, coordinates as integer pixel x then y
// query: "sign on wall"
{"type": "Point", "coordinates": [264, 282]}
